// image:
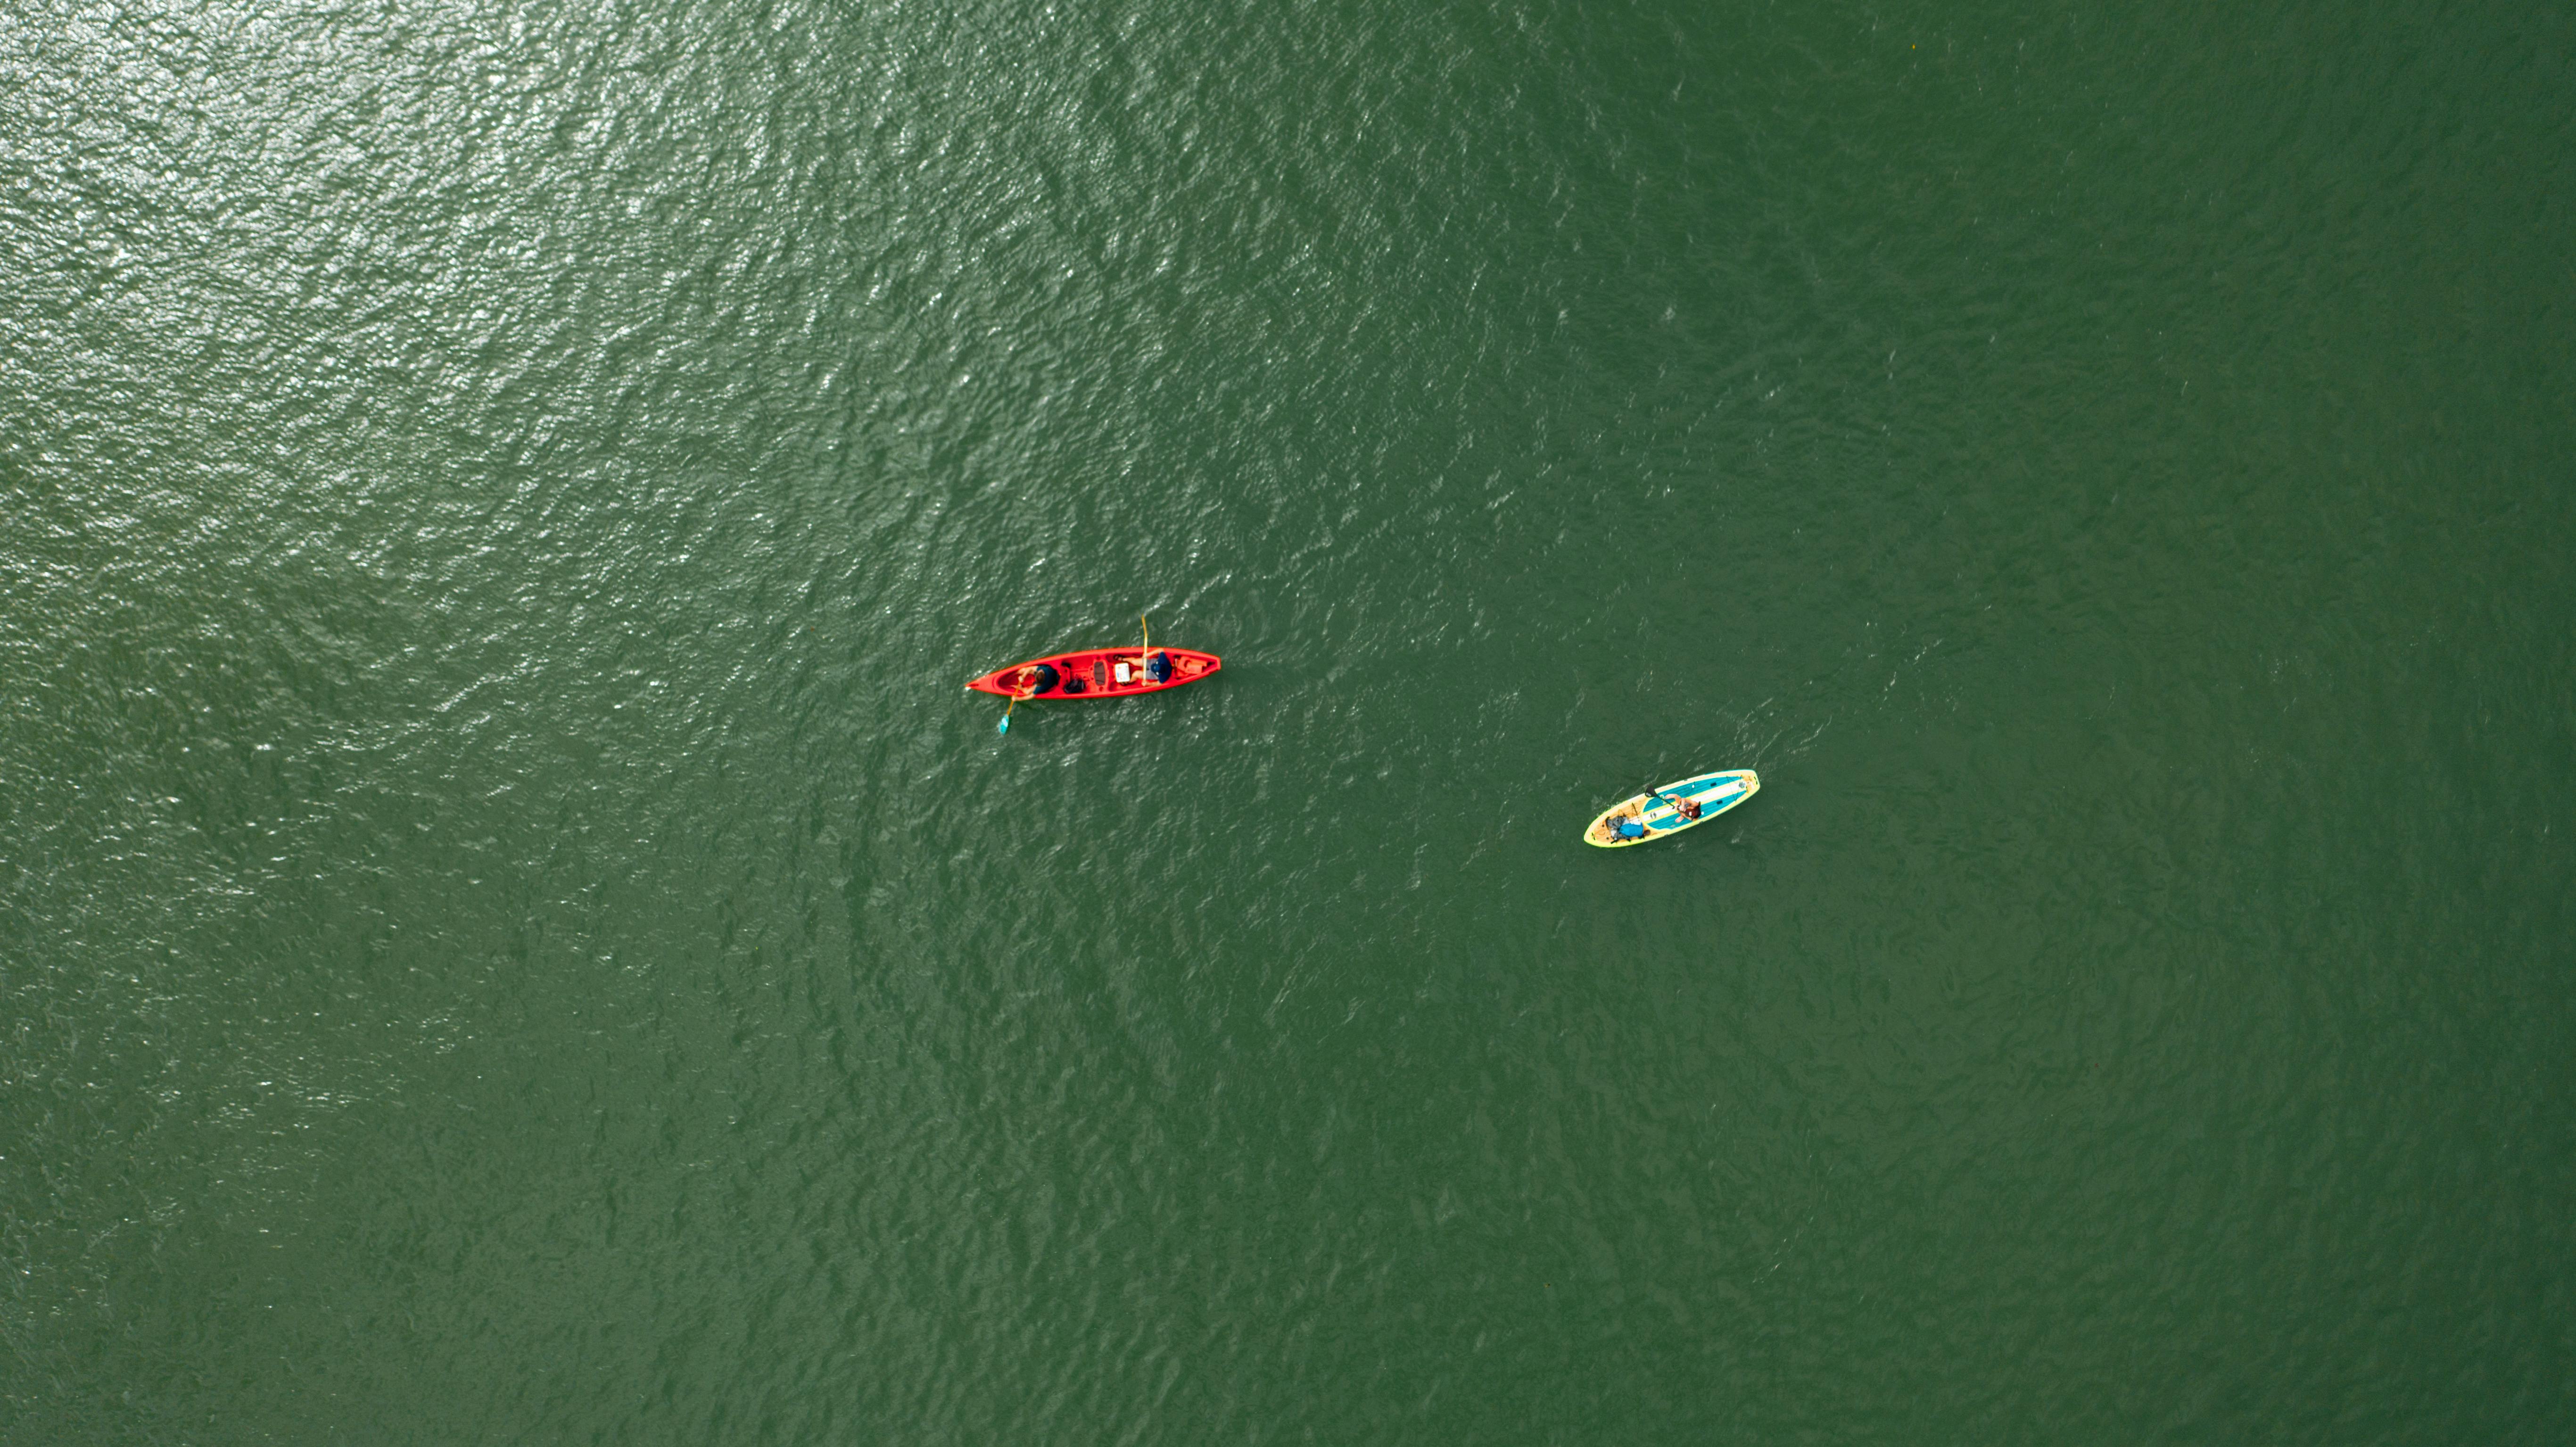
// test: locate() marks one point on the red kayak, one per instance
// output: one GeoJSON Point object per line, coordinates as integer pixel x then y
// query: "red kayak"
{"type": "Point", "coordinates": [1099, 673]}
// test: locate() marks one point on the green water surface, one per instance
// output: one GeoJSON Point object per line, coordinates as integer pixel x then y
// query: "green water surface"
{"type": "Point", "coordinates": [511, 932]}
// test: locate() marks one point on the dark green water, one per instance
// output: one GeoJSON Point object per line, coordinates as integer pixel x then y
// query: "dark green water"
{"type": "Point", "coordinates": [510, 931]}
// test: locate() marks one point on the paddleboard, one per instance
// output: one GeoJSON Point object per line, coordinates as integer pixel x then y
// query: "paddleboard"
{"type": "Point", "coordinates": [1713, 793]}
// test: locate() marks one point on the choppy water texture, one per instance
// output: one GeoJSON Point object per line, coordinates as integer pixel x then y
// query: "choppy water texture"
{"type": "Point", "coordinates": [511, 931]}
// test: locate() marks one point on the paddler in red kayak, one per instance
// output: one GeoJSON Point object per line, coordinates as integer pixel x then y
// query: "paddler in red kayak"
{"type": "Point", "coordinates": [1032, 679]}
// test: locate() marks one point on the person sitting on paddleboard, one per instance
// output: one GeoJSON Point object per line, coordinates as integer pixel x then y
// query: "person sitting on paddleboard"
{"type": "Point", "coordinates": [1683, 808]}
